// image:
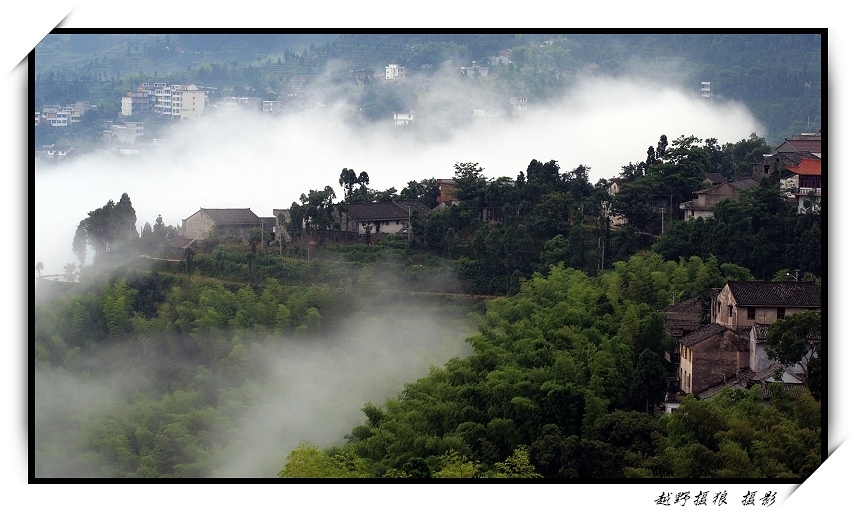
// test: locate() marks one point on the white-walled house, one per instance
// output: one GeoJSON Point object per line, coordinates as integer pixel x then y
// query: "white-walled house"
{"type": "Point", "coordinates": [809, 184]}
{"type": "Point", "coordinates": [394, 72]}
{"type": "Point", "coordinates": [403, 118]}
{"type": "Point", "coordinates": [384, 216]}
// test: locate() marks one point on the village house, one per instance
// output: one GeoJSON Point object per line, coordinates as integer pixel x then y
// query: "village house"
{"type": "Point", "coordinates": [281, 224]}
{"type": "Point", "coordinates": [447, 191]}
{"type": "Point", "coordinates": [233, 104]}
{"type": "Point", "coordinates": [683, 318]}
{"type": "Point", "coordinates": [271, 106]}
{"type": "Point", "coordinates": [786, 377]}
{"type": "Point", "coordinates": [706, 200]}
{"type": "Point", "coordinates": [127, 133]}
{"type": "Point", "coordinates": [55, 152]}
{"type": "Point", "coordinates": [680, 319]}
{"type": "Point", "coordinates": [176, 246]}
{"type": "Point", "coordinates": [613, 189]}
{"type": "Point", "coordinates": [713, 178]}
{"type": "Point", "coordinates": [742, 304]}
{"type": "Point", "coordinates": [502, 58]}
{"type": "Point", "coordinates": [394, 72]}
{"type": "Point", "coordinates": [789, 153]}
{"type": "Point", "coordinates": [220, 222]}
{"type": "Point", "coordinates": [710, 356]}
{"type": "Point", "coordinates": [807, 185]}
{"type": "Point", "coordinates": [519, 105]}
{"type": "Point", "coordinates": [384, 216]}
{"type": "Point", "coordinates": [731, 350]}
{"type": "Point", "coordinates": [474, 70]}
{"type": "Point", "coordinates": [403, 118]}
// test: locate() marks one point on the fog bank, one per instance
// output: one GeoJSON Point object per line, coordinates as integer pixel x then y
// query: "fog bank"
{"type": "Point", "coordinates": [262, 163]}
{"type": "Point", "coordinates": [313, 392]}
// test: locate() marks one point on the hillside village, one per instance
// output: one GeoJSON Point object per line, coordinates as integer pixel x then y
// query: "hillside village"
{"type": "Point", "coordinates": [728, 351]}
{"type": "Point", "coordinates": [658, 324]}
{"type": "Point", "coordinates": [706, 358]}
{"type": "Point", "coordinates": [172, 102]}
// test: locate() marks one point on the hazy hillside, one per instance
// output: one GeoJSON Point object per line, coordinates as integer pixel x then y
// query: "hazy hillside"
{"type": "Point", "coordinates": [779, 76]}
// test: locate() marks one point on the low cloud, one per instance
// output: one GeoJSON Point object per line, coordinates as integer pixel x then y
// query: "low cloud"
{"type": "Point", "coordinates": [314, 390]}
{"type": "Point", "coordinates": [243, 160]}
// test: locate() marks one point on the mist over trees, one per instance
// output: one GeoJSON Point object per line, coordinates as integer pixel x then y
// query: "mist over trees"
{"type": "Point", "coordinates": [564, 371]}
{"type": "Point", "coordinates": [513, 332]}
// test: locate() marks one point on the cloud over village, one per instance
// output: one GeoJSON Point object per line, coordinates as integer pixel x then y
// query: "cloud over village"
{"type": "Point", "coordinates": [244, 160]}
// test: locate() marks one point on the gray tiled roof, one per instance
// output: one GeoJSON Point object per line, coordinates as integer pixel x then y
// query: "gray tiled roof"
{"type": "Point", "coordinates": [732, 382]}
{"type": "Point", "coordinates": [761, 331]}
{"type": "Point", "coordinates": [716, 178]}
{"type": "Point", "coordinates": [385, 210]}
{"type": "Point", "coordinates": [710, 330]}
{"type": "Point", "coordinates": [701, 334]}
{"type": "Point", "coordinates": [745, 183]}
{"type": "Point", "coordinates": [180, 242]}
{"type": "Point", "coordinates": [686, 306]}
{"type": "Point", "coordinates": [768, 374]}
{"type": "Point", "coordinates": [775, 293]}
{"type": "Point", "coordinates": [222, 216]}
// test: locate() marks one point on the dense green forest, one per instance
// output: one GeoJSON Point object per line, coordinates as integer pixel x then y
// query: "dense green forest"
{"type": "Point", "coordinates": [555, 317]}
{"type": "Point", "coordinates": [778, 76]}
{"type": "Point", "coordinates": [560, 386]}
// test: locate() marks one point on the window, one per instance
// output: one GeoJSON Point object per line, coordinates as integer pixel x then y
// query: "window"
{"type": "Point", "coordinates": [730, 309]}
{"type": "Point", "coordinates": [780, 313]}
{"type": "Point", "coordinates": [750, 313]}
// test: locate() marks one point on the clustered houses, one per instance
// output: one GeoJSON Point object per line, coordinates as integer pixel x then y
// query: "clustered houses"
{"type": "Point", "coordinates": [730, 351]}
{"type": "Point", "coordinates": [177, 101]}
{"type": "Point", "coordinates": [797, 163]}
{"type": "Point", "coordinates": [376, 218]}
{"type": "Point", "coordinates": [55, 115]}
{"type": "Point", "coordinates": [790, 152]}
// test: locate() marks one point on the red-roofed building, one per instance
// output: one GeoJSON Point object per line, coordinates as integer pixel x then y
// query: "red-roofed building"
{"type": "Point", "coordinates": [809, 184]}
{"type": "Point", "coordinates": [788, 153]}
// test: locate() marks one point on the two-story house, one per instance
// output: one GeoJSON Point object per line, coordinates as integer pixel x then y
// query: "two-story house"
{"type": "Point", "coordinates": [711, 356]}
{"type": "Point", "coordinates": [809, 184]}
{"type": "Point", "coordinates": [706, 200]}
{"type": "Point", "coordinates": [742, 304]}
